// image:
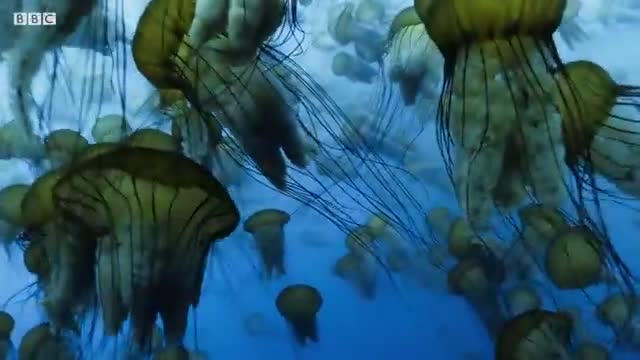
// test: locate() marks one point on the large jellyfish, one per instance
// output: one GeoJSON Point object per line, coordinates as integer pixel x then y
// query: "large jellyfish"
{"type": "Point", "coordinates": [601, 123]}
{"type": "Point", "coordinates": [155, 215]}
{"type": "Point", "coordinates": [495, 98]}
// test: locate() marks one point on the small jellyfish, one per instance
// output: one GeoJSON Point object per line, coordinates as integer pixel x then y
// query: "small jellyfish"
{"type": "Point", "coordinates": [354, 69]}
{"type": "Point", "coordinates": [617, 311]}
{"type": "Point", "coordinates": [267, 228]}
{"type": "Point", "coordinates": [370, 49]}
{"type": "Point", "coordinates": [521, 299]}
{"type": "Point", "coordinates": [299, 305]}
{"type": "Point", "coordinates": [541, 224]}
{"type": "Point", "coordinates": [110, 129]}
{"type": "Point", "coordinates": [11, 220]}
{"type": "Point", "coordinates": [7, 323]}
{"type": "Point", "coordinates": [255, 324]}
{"type": "Point", "coordinates": [413, 58]}
{"type": "Point", "coordinates": [359, 272]}
{"type": "Point", "coordinates": [14, 144]}
{"type": "Point", "coordinates": [359, 241]}
{"type": "Point", "coordinates": [40, 343]}
{"type": "Point", "coordinates": [341, 25]}
{"type": "Point", "coordinates": [64, 145]}
{"type": "Point", "coordinates": [370, 11]}
{"type": "Point", "coordinates": [535, 334]}
{"type": "Point", "coordinates": [575, 259]}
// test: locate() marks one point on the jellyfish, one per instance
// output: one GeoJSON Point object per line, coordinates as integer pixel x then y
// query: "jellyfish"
{"type": "Point", "coordinates": [110, 129]}
{"type": "Point", "coordinates": [575, 259]}
{"type": "Point", "coordinates": [541, 224]}
{"type": "Point", "coordinates": [7, 323]}
{"type": "Point", "coordinates": [267, 228]}
{"type": "Point", "coordinates": [496, 93]}
{"type": "Point", "coordinates": [155, 215]}
{"type": "Point", "coordinates": [359, 272]}
{"type": "Point", "coordinates": [40, 343]}
{"type": "Point", "coordinates": [521, 299]}
{"type": "Point", "coordinates": [341, 25]}
{"type": "Point", "coordinates": [354, 69]}
{"type": "Point", "coordinates": [238, 93]}
{"type": "Point", "coordinates": [299, 305]}
{"type": "Point", "coordinates": [64, 264]}
{"type": "Point", "coordinates": [29, 50]}
{"type": "Point", "coordinates": [15, 144]}
{"type": "Point", "coordinates": [456, 230]}
{"type": "Point", "coordinates": [11, 220]}
{"type": "Point", "coordinates": [370, 11]}
{"type": "Point", "coordinates": [600, 122]}
{"type": "Point", "coordinates": [63, 145]}
{"type": "Point", "coordinates": [617, 311]}
{"type": "Point", "coordinates": [477, 278]}
{"type": "Point", "coordinates": [535, 334]}
{"type": "Point", "coordinates": [413, 59]}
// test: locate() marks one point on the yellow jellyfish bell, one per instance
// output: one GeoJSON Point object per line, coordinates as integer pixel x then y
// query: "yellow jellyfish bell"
{"type": "Point", "coordinates": [617, 310]}
{"type": "Point", "coordinates": [299, 305]}
{"type": "Point", "coordinates": [575, 259]}
{"type": "Point", "coordinates": [176, 210]}
{"type": "Point", "coordinates": [493, 50]}
{"type": "Point", "coordinates": [359, 272]}
{"type": "Point", "coordinates": [267, 228]}
{"type": "Point", "coordinates": [7, 323]}
{"type": "Point", "coordinates": [63, 145]}
{"type": "Point", "coordinates": [10, 200]}
{"type": "Point", "coordinates": [153, 139]}
{"type": "Point", "coordinates": [535, 334]}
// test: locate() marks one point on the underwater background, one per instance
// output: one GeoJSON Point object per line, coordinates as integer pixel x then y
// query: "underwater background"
{"type": "Point", "coordinates": [409, 316]}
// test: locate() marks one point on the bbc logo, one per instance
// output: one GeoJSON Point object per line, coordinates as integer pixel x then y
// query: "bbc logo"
{"type": "Point", "coordinates": [34, 18]}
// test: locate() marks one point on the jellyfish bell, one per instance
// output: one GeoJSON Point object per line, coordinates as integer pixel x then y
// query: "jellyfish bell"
{"type": "Point", "coordinates": [153, 139]}
{"type": "Point", "coordinates": [15, 144]}
{"type": "Point", "coordinates": [7, 323]}
{"type": "Point", "coordinates": [370, 11]}
{"type": "Point", "coordinates": [599, 122]}
{"type": "Point", "coordinates": [485, 53]}
{"type": "Point", "coordinates": [40, 343]}
{"type": "Point", "coordinates": [299, 305]}
{"type": "Point", "coordinates": [541, 224]}
{"type": "Point", "coordinates": [359, 272]}
{"type": "Point", "coordinates": [617, 311]}
{"type": "Point", "coordinates": [412, 57]}
{"type": "Point", "coordinates": [351, 67]}
{"type": "Point", "coordinates": [535, 334]}
{"type": "Point", "coordinates": [521, 299]}
{"type": "Point", "coordinates": [267, 228]}
{"type": "Point", "coordinates": [63, 145]}
{"type": "Point", "coordinates": [155, 215]}
{"type": "Point", "coordinates": [110, 129]}
{"type": "Point", "coordinates": [11, 219]}
{"type": "Point", "coordinates": [360, 242]}
{"type": "Point", "coordinates": [575, 259]}
{"type": "Point", "coordinates": [341, 23]}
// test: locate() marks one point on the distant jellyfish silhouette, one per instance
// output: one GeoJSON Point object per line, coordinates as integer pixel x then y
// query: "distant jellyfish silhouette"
{"type": "Point", "coordinates": [299, 305]}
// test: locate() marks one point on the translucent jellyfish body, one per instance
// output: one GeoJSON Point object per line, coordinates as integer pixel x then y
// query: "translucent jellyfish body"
{"type": "Point", "coordinates": [110, 129]}
{"type": "Point", "coordinates": [155, 215]}
{"type": "Point", "coordinates": [354, 69]}
{"type": "Point", "coordinates": [267, 228]}
{"type": "Point", "coordinates": [413, 60]}
{"type": "Point", "coordinates": [496, 94]}
{"type": "Point", "coordinates": [299, 305]}
{"type": "Point", "coordinates": [359, 272]}
{"type": "Point", "coordinates": [15, 144]}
